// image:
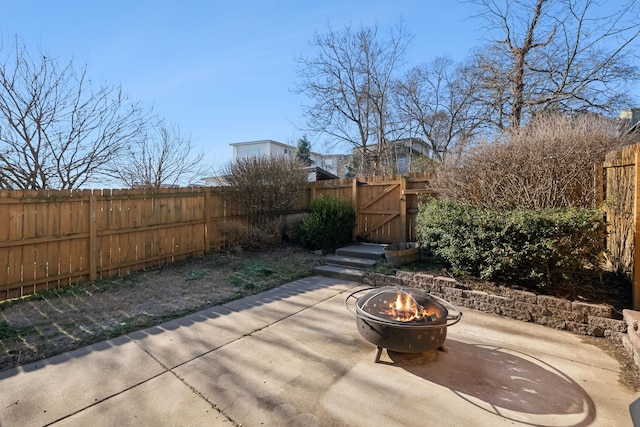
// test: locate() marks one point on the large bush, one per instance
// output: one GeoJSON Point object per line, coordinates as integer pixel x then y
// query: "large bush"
{"type": "Point", "coordinates": [265, 188]}
{"type": "Point", "coordinates": [527, 247]}
{"type": "Point", "coordinates": [329, 224]}
{"type": "Point", "coordinates": [545, 164]}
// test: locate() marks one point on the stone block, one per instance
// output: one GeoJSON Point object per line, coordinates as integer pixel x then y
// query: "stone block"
{"type": "Point", "coordinates": [404, 275]}
{"type": "Point", "coordinates": [611, 324]}
{"type": "Point", "coordinates": [466, 302]}
{"type": "Point", "coordinates": [501, 301]}
{"type": "Point", "coordinates": [368, 281]}
{"type": "Point", "coordinates": [550, 321]}
{"type": "Point", "coordinates": [457, 301]}
{"type": "Point", "coordinates": [475, 295]}
{"type": "Point", "coordinates": [447, 282]}
{"type": "Point", "coordinates": [525, 316]}
{"type": "Point", "coordinates": [487, 307]}
{"type": "Point", "coordinates": [614, 336]}
{"type": "Point", "coordinates": [531, 308]}
{"type": "Point", "coordinates": [423, 278]}
{"type": "Point", "coordinates": [524, 296]}
{"type": "Point", "coordinates": [571, 316]}
{"type": "Point", "coordinates": [430, 287]}
{"type": "Point", "coordinates": [452, 292]}
{"type": "Point", "coordinates": [554, 302]}
{"type": "Point", "coordinates": [393, 281]}
{"type": "Point", "coordinates": [582, 329]}
{"type": "Point", "coordinates": [634, 339]}
{"type": "Point", "coordinates": [592, 309]}
{"type": "Point", "coordinates": [632, 318]}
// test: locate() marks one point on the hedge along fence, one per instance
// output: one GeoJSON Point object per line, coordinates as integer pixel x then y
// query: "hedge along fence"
{"type": "Point", "coordinates": [50, 239]}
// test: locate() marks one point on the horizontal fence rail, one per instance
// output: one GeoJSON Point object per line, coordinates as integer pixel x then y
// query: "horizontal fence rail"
{"type": "Point", "coordinates": [50, 239]}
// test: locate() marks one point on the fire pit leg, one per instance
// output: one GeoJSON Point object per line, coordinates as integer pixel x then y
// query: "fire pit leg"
{"type": "Point", "coordinates": [378, 353]}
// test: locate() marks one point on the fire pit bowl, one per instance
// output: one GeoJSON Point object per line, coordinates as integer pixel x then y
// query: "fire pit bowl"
{"type": "Point", "coordinates": [405, 320]}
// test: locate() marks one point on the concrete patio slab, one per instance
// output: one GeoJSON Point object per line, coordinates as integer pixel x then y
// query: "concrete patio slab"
{"type": "Point", "coordinates": [181, 340]}
{"type": "Point", "coordinates": [148, 404]}
{"type": "Point", "coordinates": [43, 392]}
{"type": "Point", "coordinates": [279, 303]}
{"type": "Point", "coordinates": [303, 362]}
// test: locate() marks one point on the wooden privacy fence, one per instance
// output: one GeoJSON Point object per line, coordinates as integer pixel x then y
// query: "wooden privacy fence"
{"type": "Point", "coordinates": [617, 185]}
{"type": "Point", "coordinates": [50, 239]}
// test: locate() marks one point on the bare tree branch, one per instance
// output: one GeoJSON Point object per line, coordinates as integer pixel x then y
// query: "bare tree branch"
{"type": "Point", "coordinates": [56, 130]}
{"type": "Point", "coordinates": [556, 55]}
{"type": "Point", "coordinates": [350, 84]}
{"type": "Point", "coordinates": [164, 157]}
{"type": "Point", "coordinates": [435, 102]}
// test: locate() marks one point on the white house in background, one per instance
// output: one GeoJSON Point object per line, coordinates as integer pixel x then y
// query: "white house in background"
{"type": "Point", "coordinates": [331, 166]}
{"type": "Point", "coordinates": [335, 164]}
{"type": "Point", "coordinates": [265, 147]}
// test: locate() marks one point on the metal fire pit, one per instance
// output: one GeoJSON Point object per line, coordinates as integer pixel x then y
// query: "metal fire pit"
{"type": "Point", "coordinates": [405, 336]}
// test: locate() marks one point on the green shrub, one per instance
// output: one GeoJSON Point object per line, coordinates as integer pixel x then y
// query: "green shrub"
{"type": "Point", "coordinates": [329, 224]}
{"type": "Point", "coordinates": [527, 247]}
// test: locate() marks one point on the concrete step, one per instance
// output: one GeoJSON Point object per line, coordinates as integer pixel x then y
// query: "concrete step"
{"type": "Point", "coordinates": [348, 261]}
{"type": "Point", "coordinates": [365, 250]}
{"type": "Point", "coordinates": [340, 272]}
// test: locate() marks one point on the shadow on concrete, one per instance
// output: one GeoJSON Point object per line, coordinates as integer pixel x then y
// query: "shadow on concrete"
{"type": "Point", "coordinates": [284, 292]}
{"type": "Point", "coordinates": [508, 383]}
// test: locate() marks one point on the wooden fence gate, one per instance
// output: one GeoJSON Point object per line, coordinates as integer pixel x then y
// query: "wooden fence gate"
{"type": "Point", "coordinates": [387, 207]}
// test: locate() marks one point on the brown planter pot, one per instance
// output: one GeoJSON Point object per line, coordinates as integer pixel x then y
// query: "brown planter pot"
{"type": "Point", "coordinates": [403, 253]}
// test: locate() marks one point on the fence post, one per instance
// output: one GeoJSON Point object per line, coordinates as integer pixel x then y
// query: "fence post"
{"type": "Point", "coordinates": [598, 185]}
{"type": "Point", "coordinates": [93, 261]}
{"type": "Point", "coordinates": [403, 208]}
{"type": "Point", "coordinates": [206, 217]}
{"type": "Point", "coordinates": [354, 203]}
{"type": "Point", "coordinates": [312, 192]}
{"type": "Point", "coordinates": [636, 236]}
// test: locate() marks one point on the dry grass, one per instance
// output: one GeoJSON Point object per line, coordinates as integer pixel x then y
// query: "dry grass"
{"type": "Point", "coordinates": [58, 321]}
{"type": "Point", "coordinates": [547, 163]}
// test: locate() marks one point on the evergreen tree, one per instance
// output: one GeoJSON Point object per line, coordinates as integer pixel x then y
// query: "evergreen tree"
{"type": "Point", "coordinates": [303, 151]}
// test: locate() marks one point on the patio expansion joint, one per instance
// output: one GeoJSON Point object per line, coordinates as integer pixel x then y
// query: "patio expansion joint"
{"type": "Point", "coordinates": [104, 399]}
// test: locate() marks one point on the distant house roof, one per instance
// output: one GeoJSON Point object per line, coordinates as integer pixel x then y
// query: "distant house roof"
{"type": "Point", "coordinates": [319, 174]}
{"type": "Point", "coordinates": [263, 141]}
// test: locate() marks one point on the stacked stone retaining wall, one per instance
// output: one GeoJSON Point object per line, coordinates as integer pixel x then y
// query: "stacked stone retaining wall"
{"type": "Point", "coordinates": [574, 316]}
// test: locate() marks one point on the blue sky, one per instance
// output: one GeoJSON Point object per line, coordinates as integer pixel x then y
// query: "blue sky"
{"type": "Point", "coordinates": [222, 70]}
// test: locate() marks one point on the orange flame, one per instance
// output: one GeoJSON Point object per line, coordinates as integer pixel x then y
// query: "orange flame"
{"type": "Point", "coordinates": [406, 309]}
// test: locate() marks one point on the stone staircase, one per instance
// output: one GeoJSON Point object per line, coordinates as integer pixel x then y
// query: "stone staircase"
{"type": "Point", "coordinates": [350, 262]}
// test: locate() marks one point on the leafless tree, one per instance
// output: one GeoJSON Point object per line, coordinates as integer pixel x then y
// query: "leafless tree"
{"type": "Point", "coordinates": [350, 84]}
{"type": "Point", "coordinates": [265, 188]}
{"type": "Point", "coordinates": [436, 103]}
{"type": "Point", "coordinates": [56, 130]}
{"type": "Point", "coordinates": [555, 55]}
{"type": "Point", "coordinates": [163, 157]}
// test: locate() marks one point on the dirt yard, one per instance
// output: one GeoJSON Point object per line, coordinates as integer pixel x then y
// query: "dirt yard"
{"type": "Point", "coordinates": [59, 321]}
